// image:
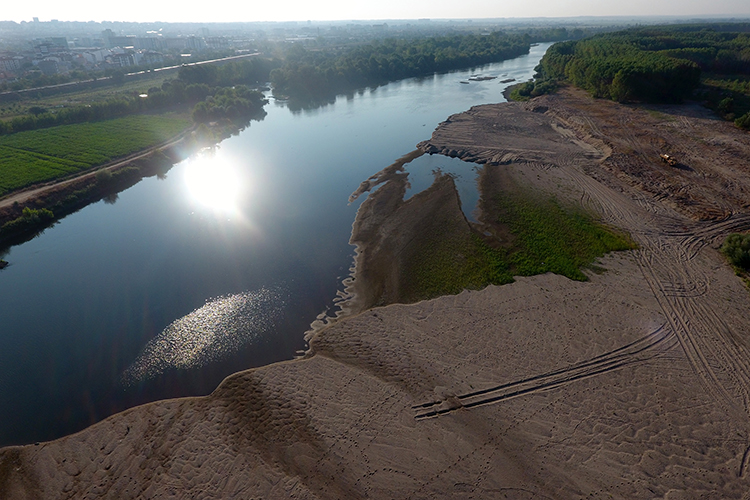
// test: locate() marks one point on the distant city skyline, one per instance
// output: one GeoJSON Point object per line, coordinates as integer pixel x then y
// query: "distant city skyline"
{"type": "Point", "coordinates": [337, 10]}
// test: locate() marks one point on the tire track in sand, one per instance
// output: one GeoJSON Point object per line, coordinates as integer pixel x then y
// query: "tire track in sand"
{"type": "Point", "coordinates": [690, 344]}
{"type": "Point", "coordinates": [667, 259]}
{"type": "Point", "coordinates": [654, 344]}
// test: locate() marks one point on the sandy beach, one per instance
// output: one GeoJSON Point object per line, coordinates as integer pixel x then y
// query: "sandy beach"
{"type": "Point", "coordinates": [634, 384]}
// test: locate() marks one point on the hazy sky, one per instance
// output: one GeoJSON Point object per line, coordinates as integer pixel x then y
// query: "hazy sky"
{"type": "Point", "coordinates": [292, 10]}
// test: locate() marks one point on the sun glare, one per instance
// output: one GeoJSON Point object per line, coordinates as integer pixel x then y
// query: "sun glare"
{"type": "Point", "coordinates": [215, 184]}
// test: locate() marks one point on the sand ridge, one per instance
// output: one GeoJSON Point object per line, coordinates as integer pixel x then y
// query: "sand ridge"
{"type": "Point", "coordinates": [631, 385]}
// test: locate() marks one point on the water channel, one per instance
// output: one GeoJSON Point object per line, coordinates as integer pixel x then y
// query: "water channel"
{"type": "Point", "coordinates": [220, 266]}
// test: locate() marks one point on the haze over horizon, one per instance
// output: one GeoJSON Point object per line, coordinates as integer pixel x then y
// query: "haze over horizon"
{"type": "Point", "coordinates": [338, 10]}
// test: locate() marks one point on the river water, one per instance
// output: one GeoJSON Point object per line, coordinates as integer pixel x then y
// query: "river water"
{"type": "Point", "coordinates": [219, 266]}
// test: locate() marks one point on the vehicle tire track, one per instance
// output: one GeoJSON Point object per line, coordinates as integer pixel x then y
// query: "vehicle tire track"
{"type": "Point", "coordinates": [655, 343]}
{"type": "Point", "coordinates": [732, 359]}
{"type": "Point", "coordinates": [705, 336]}
{"type": "Point", "coordinates": [709, 233]}
{"type": "Point", "coordinates": [694, 353]}
{"type": "Point", "coordinates": [668, 249]}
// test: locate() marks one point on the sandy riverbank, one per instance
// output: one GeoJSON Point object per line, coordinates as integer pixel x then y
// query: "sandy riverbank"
{"type": "Point", "coordinates": [631, 385]}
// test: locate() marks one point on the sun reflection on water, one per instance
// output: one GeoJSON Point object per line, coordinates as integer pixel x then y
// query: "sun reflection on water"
{"type": "Point", "coordinates": [215, 183]}
{"type": "Point", "coordinates": [208, 334]}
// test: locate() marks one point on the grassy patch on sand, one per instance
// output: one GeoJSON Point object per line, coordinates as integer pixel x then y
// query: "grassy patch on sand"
{"type": "Point", "coordinates": [451, 259]}
{"type": "Point", "coordinates": [550, 237]}
{"type": "Point", "coordinates": [46, 154]}
{"type": "Point", "coordinates": [547, 236]}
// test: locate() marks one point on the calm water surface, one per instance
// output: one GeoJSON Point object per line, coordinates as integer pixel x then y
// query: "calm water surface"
{"type": "Point", "coordinates": [218, 267]}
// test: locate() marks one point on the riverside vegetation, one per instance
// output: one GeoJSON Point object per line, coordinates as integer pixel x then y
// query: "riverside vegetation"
{"type": "Point", "coordinates": [545, 236]}
{"type": "Point", "coordinates": [663, 64]}
{"type": "Point", "coordinates": [194, 84]}
{"type": "Point", "coordinates": [41, 155]}
{"type": "Point", "coordinates": [45, 144]}
{"type": "Point", "coordinates": [311, 77]}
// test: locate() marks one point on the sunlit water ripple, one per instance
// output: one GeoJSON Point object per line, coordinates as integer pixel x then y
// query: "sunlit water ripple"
{"type": "Point", "coordinates": [208, 334]}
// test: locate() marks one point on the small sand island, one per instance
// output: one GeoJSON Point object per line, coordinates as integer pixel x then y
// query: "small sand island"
{"type": "Point", "coordinates": [631, 384]}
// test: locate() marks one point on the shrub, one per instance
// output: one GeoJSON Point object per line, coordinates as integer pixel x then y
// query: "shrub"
{"type": "Point", "coordinates": [103, 177]}
{"type": "Point", "coordinates": [743, 121]}
{"type": "Point", "coordinates": [737, 249]}
{"type": "Point", "coordinates": [726, 105]}
{"type": "Point", "coordinates": [30, 218]}
{"type": "Point", "coordinates": [528, 90]}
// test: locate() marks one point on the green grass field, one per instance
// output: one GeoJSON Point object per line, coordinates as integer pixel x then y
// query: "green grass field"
{"type": "Point", "coordinates": [46, 154]}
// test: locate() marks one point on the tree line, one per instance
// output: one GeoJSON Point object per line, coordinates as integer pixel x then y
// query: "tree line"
{"type": "Point", "coordinates": [658, 64]}
{"type": "Point", "coordinates": [207, 85]}
{"type": "Point", "coordinates": [313, 75]}
{"type": "Point", "coordinates": [621, 66]}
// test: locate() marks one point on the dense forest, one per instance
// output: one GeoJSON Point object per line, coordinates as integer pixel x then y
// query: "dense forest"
{"type": "Point", "coordinates": [309, 75]}
{"type": "Point", "coordinates": [657, 64]}
{"type": "Point", "coordinates": [206, 87]}
{"type": "Point", "coordinates": [623, 66]}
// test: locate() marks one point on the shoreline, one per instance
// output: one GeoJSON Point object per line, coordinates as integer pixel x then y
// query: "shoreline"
{"type": "Point", "coordinates": [630, 384]}
{"type": "Point", "coordinates": [69, 195]}
{"type": "Point", "coordinates": [350, 302]}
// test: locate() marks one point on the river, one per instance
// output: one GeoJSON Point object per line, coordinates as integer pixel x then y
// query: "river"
{"type": "Point", "coordinates": [219, 266]}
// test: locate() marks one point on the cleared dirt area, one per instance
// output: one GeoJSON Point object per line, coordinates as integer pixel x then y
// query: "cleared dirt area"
{"type": "Point", "coordinates": [635, 384]}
